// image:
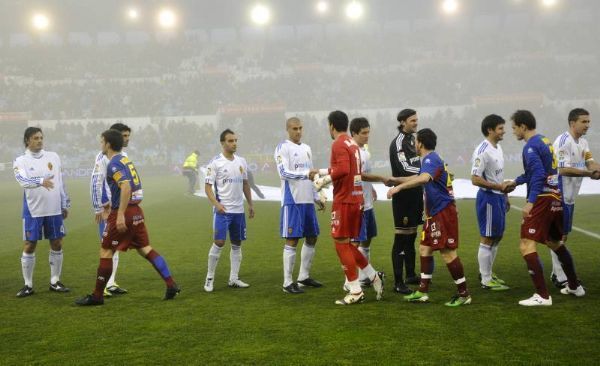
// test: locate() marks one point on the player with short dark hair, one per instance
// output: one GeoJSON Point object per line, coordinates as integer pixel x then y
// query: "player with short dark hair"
{"type": "Point", "coordinates": [346, 210]}
{"type": "Point", "coordinates": [125, 228]}
{"type": "Point", "coordinates": [100, 194]}
{"type": "Point", "coordinates": [440, 231]}
{"type": "Point", "coordinates": [543, 212]}
{"type": "Point", "coordinates": [491, 203]}
{"type": "Point", "coordinates": [575, 162]}
{"type": "Point", "coordinates": [407, 205]}
{"type": "Point", "coordinates": [228, 174]}
{"type": "Point", "coordinates": [45, 206]}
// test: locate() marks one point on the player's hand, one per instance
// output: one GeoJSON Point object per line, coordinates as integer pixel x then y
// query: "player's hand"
{"type": "Point", "coordinates": [65, 213]}
{"type": "Point", "coordinates": [374, 194]}
{"type": "Point", "coordinates": [251, 211]}
{"type": "Point", "coordinates": [507, 205]}
{"type": "Point", "coordinates": [312, 173]}
{"type": "Point", "coordinates": [220, 208]}
{"type": "Point", "coordinates": [121, 226]}
{"type": "Point", "coordinates": [47, 182]}
{"type": "Point", "coordinates": [527, 209]}
{"type": "Point", "coordinates": [508, 186]}
{"type": "Point", "coordinates": [98, 217]}
{"type": "Point", "coordinates": [393, 191]}
{"type": "Point", "coordinates": [320, 205]}
{"type": "Point", "coordinates": [595, 175]}
{"type": "Point", "coordinates": [106, 212]}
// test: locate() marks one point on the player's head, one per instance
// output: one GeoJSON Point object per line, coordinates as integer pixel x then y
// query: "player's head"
{"type": "Point", "coordinates": [228, 141]}
{"type": "Point", "coordinates": [125, 131]}
{"type": "Point", "coordinates": [197, 152]}
{"type": "Point", "coordinates": [579, 121]}
{"type": "Point", "coordinates": [492, 127]}
{"type": "Point", "coordinates": [33, 139]}
{"type": "Point", "coordinates": [426, 141]}
{"type": "Point", "coordinates": [338, 121]}
{"type": "Point", "coordinates": [111, 140]}
{"type": "Point", "coordinates": [522, 122]}
{"type": "Point", "coordinates": [293, 127]}
{"type": "Point", "coordinates": [360, 129]}
{"type": "Point", "coordinates": [408, 120]}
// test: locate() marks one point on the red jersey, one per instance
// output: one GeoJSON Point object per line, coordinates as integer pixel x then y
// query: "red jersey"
{"type": "Point", "coordinates": [345, 171]}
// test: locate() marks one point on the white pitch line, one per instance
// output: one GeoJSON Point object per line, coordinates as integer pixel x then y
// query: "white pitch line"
{"type": "Point", "coordinates": [583, 231]}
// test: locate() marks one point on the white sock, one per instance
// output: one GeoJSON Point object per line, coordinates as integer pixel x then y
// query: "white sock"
{"type": "Point", "coordinates": [484, 256]}
{"type": "Point", "coordinates": [557, 268]}
{"type": "Point", "coordinates": [307, 254]}
{"type": "Point", "coordinates": [354, 287]}
{"type": "Point", "coordinates": [369, 271]}
{"type": "Point", "coordinates": [27, 265]}
{"type": "Point", "coordinates": [213, 258]}
{"type": "Point", "coordinates": [289, 259]}
{"type": "Point", "coordinates": [235, 256]}
{"type": "Point", "coordinates": [494, 253]}
{"type": "Point", "coordinates": [55, 258]}
{"type": "Point", "coordinates": [111, 280]}
{"type": "Point", "coordinates": [366, 252]}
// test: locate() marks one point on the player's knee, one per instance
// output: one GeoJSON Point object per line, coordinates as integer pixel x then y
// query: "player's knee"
{"type": "Point", "coordinates": [425, 251]}
{"type": "Point", "coordinates": [311, 240]}
{"type": "Point", "coordinates": [56, 244]}
{"type": "Point", "coordinates": [526, 247]}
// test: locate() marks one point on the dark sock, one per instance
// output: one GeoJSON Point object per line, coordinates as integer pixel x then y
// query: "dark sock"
{"type": "Point", "coordinates": [160, 265]}
{"type": "Point", "coordinates": [409, 254]}
{"type": "Point", "coordinates": [458, 275]}
{"type": "Point", "coordinates": [536, 272]}
{"type": "Point", "coordinates": [398, 258]}
{"type": "Point", "coordinates": [104, 271]}
{"type": "Point", "coordinates": [426, 273]}
{"type": "Point", "coordinates": [566, 261]}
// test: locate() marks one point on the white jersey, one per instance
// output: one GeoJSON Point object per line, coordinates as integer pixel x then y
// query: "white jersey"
{"type": "Point", "coordinates": [293, 164]}
{"type": "Point", "coordinates": [571, 154]}
{"type": "Point", "coordinates": [365, 163]}
{"type": "Point", "coordinates": [227, 178]}
{"type": "Point", "coordinates": [31, 169]}
{"type": "Point", "coordinates": [488, 163]}
{"type": "Point", "coordinates": [99, 191]}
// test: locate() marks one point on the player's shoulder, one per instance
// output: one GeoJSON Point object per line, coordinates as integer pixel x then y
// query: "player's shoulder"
{"type": "Point", "coordinates": [240, 159]}
{"type": "Point", "coordinates": [563, 139]}
{"type": "Point", "coordinates": [482, 147]}
{"type": "Point", "coordinates": [215, 159]}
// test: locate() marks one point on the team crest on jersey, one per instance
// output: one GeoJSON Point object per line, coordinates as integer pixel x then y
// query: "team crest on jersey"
{"type": "Point", "coordinates": [279, 159]}
{"type": "Point", "coordinates": [208, 171]}
{"type": "Point", "coordinates": [49, 166]}
{"type": "Point", "coordinates": [241, 170]}
{"type": "Point", "coordinates": [405, 220]}
{"type": "Point", "coordinates": [290, 230]}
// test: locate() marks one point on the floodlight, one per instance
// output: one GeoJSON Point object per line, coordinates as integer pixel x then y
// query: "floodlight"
{"type": "Point", "coordinates": [322, 7]}
{"type": "Point", "coordinates": [133, 14]}
{"type": "Point", "coordinates": [354, 10]}
{"type": "Point", "coordinates": [40, 22]}
{"type": "Point", "coordinates": [260, 14]}
{"type": "Point", "coordinates": [450, 6]}
{"type": "Point", "coordinates": [549, 3]}
{"type": "Point", "coordinates": [167, 18]}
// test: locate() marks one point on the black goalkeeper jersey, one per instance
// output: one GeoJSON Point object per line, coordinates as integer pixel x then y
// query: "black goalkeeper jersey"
{"type": "Point", "coordinates": [403, 156]}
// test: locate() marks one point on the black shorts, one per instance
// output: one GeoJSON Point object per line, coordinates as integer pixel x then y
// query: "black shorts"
{"type": "Point", "coordinates": [407, 207]}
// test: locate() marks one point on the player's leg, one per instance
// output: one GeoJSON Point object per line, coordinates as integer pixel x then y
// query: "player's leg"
{"type": "Point", "coordinates": [559, 277]}
{"type": "Point", "coordinates": [32, 232]}
{"type": "Point", "coordinates": [311, 232]}
{"type": "Point", "coordinates": [535, 269]}
{"type": "Point", "coordinates": [484, 213]}
{"type": "Point", "coordinates": [54, 230]}
{"type": "Point", "coordinates": [457, 272]}
{"type": "Point", "coordinates": [414, 214]}
{"type": "Point", "coordinates": [427, 265]}
{"type": "Point", "coordinates": [220, 225]}
{"type": "Point", "coordinates": [237, 234]}
{"type": "Point", "coordinates": [290, 229]}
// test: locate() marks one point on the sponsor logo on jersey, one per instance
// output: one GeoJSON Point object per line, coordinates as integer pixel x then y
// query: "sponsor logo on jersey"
{"type": "Point", "coordinates": [450, 241]}
{"type": "Point", "coordinates": [531, 231]}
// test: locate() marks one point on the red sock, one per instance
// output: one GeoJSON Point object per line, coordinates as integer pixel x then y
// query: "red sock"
{"type": "Point", "coordinates": [566, 261]}
{"type": "Point", "coordinates": [160, 265]}
{"type": "Point", "coordinates": [359, 258]}
{"type": "Point", "coordinates": [104, 271]}
{"type": "Point", "coordinates": [458, 275]}
{"type": "Point", "coordinates": [537, 274]}
{"type": "Point", "coordinates": [426, 273]}
{"type": "Point", "coordinates": [347, 259]}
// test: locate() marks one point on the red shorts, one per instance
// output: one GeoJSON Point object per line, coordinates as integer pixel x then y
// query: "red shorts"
{"type": "Point", "coordinates": [346, 220]}
{"type": "Point", "coordinates": [136, 235]}
{"type": "Point", "coordinates": [545, 221]}
{"type": "Point", "coordinates": [441, 230]}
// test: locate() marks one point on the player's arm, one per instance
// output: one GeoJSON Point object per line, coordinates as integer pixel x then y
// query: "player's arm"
{"type": "Point", "coordinates": [125, 186]}
{"type": "Point", "coordinates": [341, 164]}
{"type": "Point", "coordinates": [213, 200]}
{"type": "Point", "coordinates": [537, 177]}
{"type": "Point", "coordinates": [480, 182]}
{"type": "Point", "coordinates": [248, 195]}
{"type": "Point", "coordinates": [477, 170]}
{"type": "Point", "coordinates": [27, 182]}
{"type": "Point", "coordinates": [368, 177]}
{"type": "Point", "coordinates": [283, 164]}
{"type": "Point", "coordinates": [97, 183]}
{"type": "Point", "coordinates": [65, 200]}
{"type": "Point", "coordinates": [411, 182]}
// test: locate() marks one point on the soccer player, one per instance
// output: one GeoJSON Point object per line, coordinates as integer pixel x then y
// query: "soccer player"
{"type": "Point", "coordinates": [298, 217]}
{"type": "Point", "coordinates": [125, 227]}
{"type": "Point", "coordinates": [543, 212]}
{"type": "Point", "coordinates": [440, 232]}
{"type": "Point", "coordinates": [45, 206]}
{"type": "Point", "coordinates": [100, 194]}
{"type": "Point", "coordinates": [190, 170]}
{"type": "Point", "coordinates": [346, 215]}
{"type": "Point", "coordinates": [407, 205]}
{"type": "Point", "coordinates": [228, 174]}
{"type": "Point", "coordinates": [360, 130]}
{"type": "Point", "coordinates": [491, 204]}
{"type": "Point", "coordinates": [575, 161]}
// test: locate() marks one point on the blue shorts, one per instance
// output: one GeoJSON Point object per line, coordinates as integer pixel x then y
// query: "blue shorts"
{"type": "Point", "coordinates": [298, 221]}
{"type": "Point", "coordinates": [235, 223]}
{"type": "Point", "coordinates": [368, 226]}
{"type": "Point", "coordinates": [52, 227]}
{"type": "Point", "coordinates": [491, 213]}
{"type": "Point", "coordinates": [568, 211]}
{"type": "Point", "coordinates": [101, 227]}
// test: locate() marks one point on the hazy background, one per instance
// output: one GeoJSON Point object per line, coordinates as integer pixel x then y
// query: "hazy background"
{"type": "Point", "coordinates": [214, 69]}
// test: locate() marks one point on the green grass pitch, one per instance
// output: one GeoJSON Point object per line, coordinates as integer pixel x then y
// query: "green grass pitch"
{"type": "Point", "coordinates": [262, 325]}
